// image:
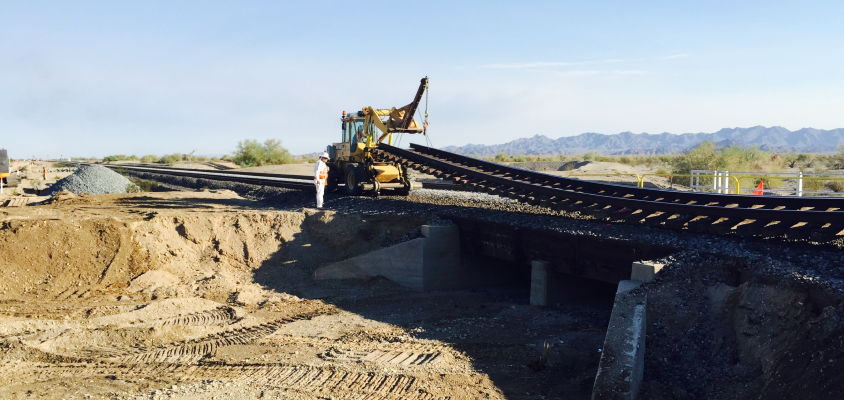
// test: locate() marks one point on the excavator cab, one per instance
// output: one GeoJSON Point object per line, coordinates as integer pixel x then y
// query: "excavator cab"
{"type": "Point", "coordinates": [351, 162]}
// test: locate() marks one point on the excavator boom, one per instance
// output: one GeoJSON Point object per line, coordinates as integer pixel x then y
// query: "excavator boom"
{"type": "Point", "coordinates": [411, 108]}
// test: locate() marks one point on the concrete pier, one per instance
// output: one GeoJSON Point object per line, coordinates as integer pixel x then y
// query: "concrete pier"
{"type": "Point", "coordinates": [539, 283]}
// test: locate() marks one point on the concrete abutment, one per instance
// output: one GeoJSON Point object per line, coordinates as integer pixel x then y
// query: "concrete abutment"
{"type": "Point", "coordinates": [431, 262]}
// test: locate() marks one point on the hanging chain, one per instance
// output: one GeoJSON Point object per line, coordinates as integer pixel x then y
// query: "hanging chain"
{"type": "Point", "coordinates": [425, 124]}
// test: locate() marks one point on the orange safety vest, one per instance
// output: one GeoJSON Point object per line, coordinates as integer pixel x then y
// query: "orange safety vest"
{"type": "Point", "coordinates": [322, 175]}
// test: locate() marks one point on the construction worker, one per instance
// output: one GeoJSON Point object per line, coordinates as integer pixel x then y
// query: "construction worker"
{"type": "Point", "coordinates": [320, 178]}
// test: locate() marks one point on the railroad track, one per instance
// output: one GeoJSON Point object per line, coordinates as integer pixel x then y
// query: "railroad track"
{"type": "Point", "coordinates": [814, 218]}
{"type": "Point", "coordinates": [254, 178]}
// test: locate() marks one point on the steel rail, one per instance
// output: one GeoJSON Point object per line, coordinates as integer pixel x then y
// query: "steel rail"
{"type": "Point", "coordinates": [643, 193]}
{"type": "Point", "coordinates": [255, 178]}
{"type": "Point", "coordinates": [283, 181]}
{"type": "Point", "coordinates": [233, 172]}
{"type": "Point", "coordinates": [638, 204]}
{"type": "Point", "coordinates": [819, 219]}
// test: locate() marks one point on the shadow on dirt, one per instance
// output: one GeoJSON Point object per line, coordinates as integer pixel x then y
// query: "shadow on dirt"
{"type": "Point", "coordinates": [490, 320]}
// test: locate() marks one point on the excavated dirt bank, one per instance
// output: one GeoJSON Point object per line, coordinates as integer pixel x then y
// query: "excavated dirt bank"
{"type": "Point", "coordinates": [197, 295]}
{"type": "Point", "coordinates": [733, 328]}
{"type": "Point", "coordinates": [162, 245]}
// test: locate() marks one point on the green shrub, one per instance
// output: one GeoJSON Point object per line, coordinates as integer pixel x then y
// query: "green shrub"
{"type": "Point", "coordinates": [835, 185]}
{"type": "Point", "coordinates": [251, 153]}
{"type": "Point", "coordinates": [501, 157]}
{"type": "Point", "coordinates": [170, 159]}
{"type": "Point", "coordinates": [704, 156]}
{"type": "Point", "coordinates": [120, 157]}
{"type": "Point", "coordinates": [145, 185]}
{"type": "Point", "coordinates": [149, 158]}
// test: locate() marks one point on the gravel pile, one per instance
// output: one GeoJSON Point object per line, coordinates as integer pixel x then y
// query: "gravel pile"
{"type": "Point", "coordinates": [92, 179]}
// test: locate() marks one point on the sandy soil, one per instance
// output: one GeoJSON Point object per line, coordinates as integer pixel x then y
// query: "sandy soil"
{"type": "Point", "coordinates": [200, 295]}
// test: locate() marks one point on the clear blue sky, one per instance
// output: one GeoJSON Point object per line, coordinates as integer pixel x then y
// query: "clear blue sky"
{"type": "Point", "coordinates": [111, 77]}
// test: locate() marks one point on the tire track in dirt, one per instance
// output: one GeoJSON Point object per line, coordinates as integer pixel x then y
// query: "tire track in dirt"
{"type": "Point", "coordinates": [222, 315]}
{"type": "Point", "coordinates": [399, 354]}
{"type": "Point", "coordinates": [327, 381]}
{"type": "Point", "coordinates": [190, 352]}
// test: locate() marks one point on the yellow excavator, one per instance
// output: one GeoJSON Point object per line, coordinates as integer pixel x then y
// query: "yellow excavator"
{"type": "Point", "coordinates": [6, 176]}
{"type": "Point", "coordinates": [351, 162]}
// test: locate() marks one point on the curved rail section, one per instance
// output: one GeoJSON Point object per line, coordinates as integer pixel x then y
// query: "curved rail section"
{"type": "Point", "coordinates": [814, 218]}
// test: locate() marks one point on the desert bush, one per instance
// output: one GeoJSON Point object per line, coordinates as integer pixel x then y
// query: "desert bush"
{"type": "Point", "coordinates": [835, 161]}
{"type": "Point", "coordinates": [704, 156]}
{"type": "Point", "coordinates": [170, 159]}
{"type": "Point", "coordinates": [149, 158]}
{"type": "Point", "coordinates": [120, 157]}
{"type": "Point", "coordinates": [251, 153]}
{"type": "Point", "coordinates": [144, 185]}
{"type": "Point", "coordinates": [834, 185]}
{"type": "Point", "coordinates": [813, 185]}
{"type": "Point", "coordinates": [791, 159]}
{"type": "Point", "coordinates": [707, 156]}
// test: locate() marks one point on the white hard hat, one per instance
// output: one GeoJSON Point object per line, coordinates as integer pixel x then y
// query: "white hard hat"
{"type": "Point", "coordinates": [325, 155]}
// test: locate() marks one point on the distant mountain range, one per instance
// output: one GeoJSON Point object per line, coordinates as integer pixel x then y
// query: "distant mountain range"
{"type": "Point", "coordinates": [776, 138]}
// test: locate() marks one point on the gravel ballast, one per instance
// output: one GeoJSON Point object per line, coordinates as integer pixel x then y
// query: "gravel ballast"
{"type": "Point", "coordinates": [91, 179]}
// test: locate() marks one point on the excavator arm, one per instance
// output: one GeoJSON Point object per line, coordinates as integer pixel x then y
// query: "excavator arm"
{"type": "Point", "coordinates": [410, 109]}
{"type": "Point", "coordinates": [401, 119]}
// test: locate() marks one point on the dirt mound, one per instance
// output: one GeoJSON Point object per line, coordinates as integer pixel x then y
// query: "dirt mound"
{"type": "Point", "coordinates": [155, 249]}
{"type": "Point", "coordinates": [194, 295]}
